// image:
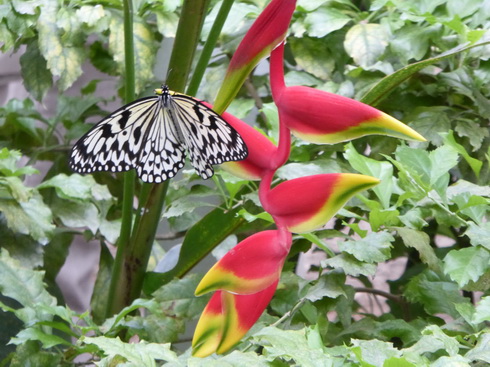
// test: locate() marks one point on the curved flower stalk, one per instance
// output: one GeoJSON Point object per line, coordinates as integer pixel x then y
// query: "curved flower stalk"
{"type": "Point", "coordinates": [245, 279]}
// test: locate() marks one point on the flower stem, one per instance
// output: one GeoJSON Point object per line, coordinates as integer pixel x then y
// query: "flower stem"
{"type": "Point", "coordinates": [116, 297]}
{"type": "Point", "coordinates": [132, 258]}
{"type": "Point", "coordinates": [208, 48]}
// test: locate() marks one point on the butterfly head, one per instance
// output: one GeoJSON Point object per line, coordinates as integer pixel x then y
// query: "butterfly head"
{"type": "Point", "coordinates": [161, 91]}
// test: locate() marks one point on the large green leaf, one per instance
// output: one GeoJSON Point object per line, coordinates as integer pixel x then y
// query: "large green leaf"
{"type": "Point", "coordinates": [382, 89]}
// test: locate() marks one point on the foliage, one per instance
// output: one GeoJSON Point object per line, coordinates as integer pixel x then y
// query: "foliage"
{"type": "Point", "coordinates": [426, 63]}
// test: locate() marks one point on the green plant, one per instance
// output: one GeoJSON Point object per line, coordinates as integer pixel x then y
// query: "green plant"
{"type": "Point", "coordinates": [424, 63]}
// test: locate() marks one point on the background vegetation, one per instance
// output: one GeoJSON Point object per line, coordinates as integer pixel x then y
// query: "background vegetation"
{"type": "Point", "coordinates": [424, 62]}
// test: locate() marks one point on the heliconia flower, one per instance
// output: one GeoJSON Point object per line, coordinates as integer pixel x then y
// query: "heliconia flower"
{"type": "Point", "coordinates": [307, 203]}
{"type": "Point", "coordinates": [268, 30]}
{"type": "Point", "coordinates": [251, 266]}
{"type": "Point", "coordinates": [227, 318]}
{"type": "Point", "coordinates": [260, 151]}
{"type": "Point", "coordinates": [325, 118]}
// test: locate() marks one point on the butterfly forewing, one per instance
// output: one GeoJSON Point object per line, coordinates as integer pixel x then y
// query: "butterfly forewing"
{"type": "Point", "coordinates": [208, 137]}
{"type": "Point", "coordinates": [114, 144]}
{"type": "Point", "coordinates": [152, 135]}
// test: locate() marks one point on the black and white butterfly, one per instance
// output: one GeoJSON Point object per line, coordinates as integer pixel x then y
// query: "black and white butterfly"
{"type": "Point", "coordinates": [153, 134]}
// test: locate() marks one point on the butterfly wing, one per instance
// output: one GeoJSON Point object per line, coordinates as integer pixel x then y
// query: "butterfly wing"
{"type": "Point", "coordinates": [209, 139]}
{"type": "Point", "coordinates": [135, 136]}
{"type": "Point", "coordinates": [115, 142]}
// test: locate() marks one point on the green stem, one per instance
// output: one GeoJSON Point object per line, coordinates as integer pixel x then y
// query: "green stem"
{"type": "Point", "coordinates": [208, 48]}
{"type": "Point", "coordinates": [134, 260]}
{"type": "Point", "coordinates": [116, 298]}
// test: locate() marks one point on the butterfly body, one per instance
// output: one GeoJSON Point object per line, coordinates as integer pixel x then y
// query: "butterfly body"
{"type": "Point", "coordinates": [153, 135]}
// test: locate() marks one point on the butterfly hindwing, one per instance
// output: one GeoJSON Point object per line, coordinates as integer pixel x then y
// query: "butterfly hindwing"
{"type": "Point", "coordinates": [209, 139]}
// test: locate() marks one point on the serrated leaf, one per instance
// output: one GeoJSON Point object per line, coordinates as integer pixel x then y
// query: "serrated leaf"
{"type": "Point", "coordinates": [371, 167]}
{"type": "Point", "coordinates": [81, 214]}
{"type": "Point", "coordinates": [435, 293]}
{"type": "Point", "coordinates": [312, 57]}
{"type": "Point", "coordinates": [479, 234]}
{"type": "Point", "coordinates": [434, 339]}
{"type": "Point", "coordinates": [421, 242]}
{"type": "Point", "coordinates": [35, 74]}
{"type": "Point", "coordinates": [350, 265]}
{"type": "Point", "coordinates": [482, 350]}
{"type": "Point", "coordinates": [26, 287]}
{"type": "Point", "coordinates": [329, 285]}
{"type": "Point", "coordinates": [482, 311]}
{"type": "Point", "coordinates": [76, 187]}
{"type": "Point", "coordinates": [139, 354]}
{"type": "Point", "coordinates": [47, 340]}
{"type": "Point", "coordinates": [63, 61]}
{"type": "Point", "coordinates": [475, 164]}
{"type": "Point", "coordinates": [374, 248]}
{"type": "Point", "coordinates": [365, 43]}
{"type": "Point", "coordinates": [291, 345]}
{"type": "Point", "coordinates": [375, 352]}
{"type": "Point", "coordinates": [466, 264]}
{"type": "Point", "coordinates": [31, 217]}
{"type": "Point", "coordinates": [325, 20]}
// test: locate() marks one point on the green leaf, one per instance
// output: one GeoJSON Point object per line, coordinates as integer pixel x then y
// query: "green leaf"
{"type": "Point", "coordinates": [30, 354]}
{"type": "Point", "coordinates": [383, 88]}
{"type": "Point", "coordinates": [325, 20]}
{"type": "Point", "coordinates": [375, 352]}
{"type": "Point", "coordinates": [77, 215]}
{"type": "Point", "coordinates": [467, 264]}
{"type": "Point", "coordinates": [330, 285]}
{"type": "Point", "coordinates": [434, 339]}
{"type": "Point", "coordinates": [311, 55]}
{"type": "Point", "coordinates": [373, 248]}
{"type": "Point", "coordinates": [77, 187]}
{"type": "Point", "coordinates": [37, 78]}
{"type": "Point", "coordinates": [291, 345]}
{"type": "Point", "coordinates": [371, 167]}
{"type": "Point", "coordinates": [365, 43]}
{"type": "Point", "coordinates": [139, 354]}
{"type": "Point", "coordinates": [208, 233]}
{"type": "Point", "coordinates": [479, 234]}
{"type": "Point", "coordinates": [26, 287]}
{"type": "Point", "coordinates": [63, 61]}
{"type": "Point", "coordinates": [8, 164]}
{"type": "Point", "coordinates": [482, 350]}
{"type": "Point", "coordinates": [421, 242]}
{"type": "Point", "coordinates": [430, 122]}
{"type": "Point", "coordinates": [435, 293]}
{"type": "Point", "coordinates": [350, 265]}
{"type": "Point", "coordinates": [475, 164]}
{"type": "Point", "coordinates": [482, 312]}
{"type": "Point", "coordinates": [47, 340]}
{"type": "Point", "coordinates": [31, 217]}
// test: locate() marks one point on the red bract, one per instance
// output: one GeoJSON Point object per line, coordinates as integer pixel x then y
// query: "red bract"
{"type": "Point", "coordinates": [260, 151]}
{"type": "Point", "coordinates": [250, 266]}
{"type": "Point", "coordinates": [321, 117]}
{"type": "Point", "coordinates": [227, 318]}
{"type": "Point", "coordinates": [307, 203]}
{"type": "Point", "coordinates": [245, 280]}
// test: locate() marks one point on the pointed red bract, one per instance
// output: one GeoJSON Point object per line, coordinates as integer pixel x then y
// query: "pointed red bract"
{"type": "Point", "coordinates": [249, 267]}
{"type": "Point", "coordinates": [307, 203]}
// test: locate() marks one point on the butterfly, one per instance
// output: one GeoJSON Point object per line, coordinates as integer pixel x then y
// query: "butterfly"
{"type": "Point", "coordinates": [153, 135]}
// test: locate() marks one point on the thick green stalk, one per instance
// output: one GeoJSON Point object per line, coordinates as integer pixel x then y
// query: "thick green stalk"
{"type": "Point", "coordinates": [116, 298]}
{"type": "Point", "coordinates": [208, 48]}
{"type": "Point", "coordinates": [152, 198]}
